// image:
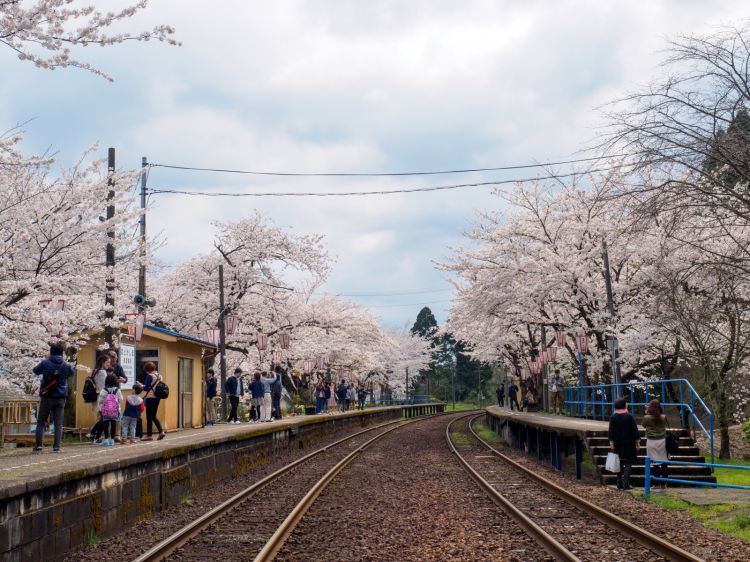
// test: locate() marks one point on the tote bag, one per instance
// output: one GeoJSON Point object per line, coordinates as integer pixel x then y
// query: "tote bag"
{"type": "Point", "coordinates": [613, 462]}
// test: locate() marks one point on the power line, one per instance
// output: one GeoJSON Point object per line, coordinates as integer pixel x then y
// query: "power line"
{"type": "Point", "coordinates": [392, 294]}
{"type": "Point", "coordinates": [407, 304]}
{"type": "Point", "coordinates": [376, 192]}
{"type": "Point", "coordinates": [382, 174]}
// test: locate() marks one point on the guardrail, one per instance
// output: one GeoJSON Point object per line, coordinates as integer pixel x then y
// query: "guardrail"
{"type": "Point", "coordinates": [598, 402]}
{"type": "Point", "coordinates": [649, 478]}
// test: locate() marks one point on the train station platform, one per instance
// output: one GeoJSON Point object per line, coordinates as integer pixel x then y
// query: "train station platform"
{"type": "Point", "coordinates": [50, 501]}
{"type": "Point", "coordinates": [575, 444]}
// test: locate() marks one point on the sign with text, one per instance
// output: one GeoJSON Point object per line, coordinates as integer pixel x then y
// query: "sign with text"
{"type": "Point", "coordinates": [127, 360]}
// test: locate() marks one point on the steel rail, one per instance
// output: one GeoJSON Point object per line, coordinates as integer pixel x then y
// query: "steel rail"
{"type": "Point", "coordinates": [163, 549]}
{"type": "Point", "coordinates": [645, 538]}
{"type": "Point", "coordinates": [547, 541]}
{"type": "Point", "coordinates": [279, 538]}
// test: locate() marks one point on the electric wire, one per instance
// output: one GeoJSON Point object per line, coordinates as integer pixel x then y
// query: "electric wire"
{"type": "Point", "coordinates": [376, 192]}
{"type": "Point", "coordinates": [386, 174]}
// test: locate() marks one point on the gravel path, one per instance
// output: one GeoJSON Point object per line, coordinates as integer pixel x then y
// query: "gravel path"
{"type": "Point", "coordinates": [407, 499]}
{"type": "Point", "coordinates": [583, 535]}
{"type": "Point", "coordinates": [139, 537]}
{"type": "Point", "coordinates": [676, 526]}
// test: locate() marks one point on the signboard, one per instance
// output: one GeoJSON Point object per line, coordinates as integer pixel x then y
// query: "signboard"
{"type": "Point", "coordinates": [127, 360]}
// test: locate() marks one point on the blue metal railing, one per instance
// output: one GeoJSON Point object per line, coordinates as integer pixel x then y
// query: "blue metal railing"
{"type": "Point", "coordinates": [598, 402]}
{"type": "Point", "coordinates": [649, 478]}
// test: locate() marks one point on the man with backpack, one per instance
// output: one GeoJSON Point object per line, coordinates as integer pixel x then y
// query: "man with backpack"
{"type": "Point", "coordinates": [341, 392]}
{"type": "Point", "coordinates": [53, 392]}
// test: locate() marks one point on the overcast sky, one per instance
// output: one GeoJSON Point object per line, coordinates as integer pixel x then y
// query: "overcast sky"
{"type": "Point", "coordinates": [350, 86]}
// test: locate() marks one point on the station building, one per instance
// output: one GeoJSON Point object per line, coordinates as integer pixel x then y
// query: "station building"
{"type": "Point", "coordinates": [179, 359]}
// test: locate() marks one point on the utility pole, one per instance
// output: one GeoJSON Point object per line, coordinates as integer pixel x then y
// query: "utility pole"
{"type": "Point", "coordinates": [479, 384]}
{"type": "Point", "coordinates": [453, 383]}
{"type": "Point", "coordinates": [406, 389]}
{"type": "Point", "coordinates": [222, 344]}
{"type": "Point", "coordinates": [611, 310]}
{"type": "Point", "coordinates": [142, 221]}
{"type": "Point", "coordinates": [109, 296]}
{"type": "Point", "coordinates": [544, 387]}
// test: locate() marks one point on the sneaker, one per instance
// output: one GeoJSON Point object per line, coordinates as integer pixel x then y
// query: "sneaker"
{"type": "Point", "coordinates": [162, 435]}
{"type": "Point", "coordinates": [37, 450]}
{"type": "Point", "coordinates": [147, 438]}
{"type": "Point", "coordinates": [131, 442]}
{"type": "Point", "coordinates": [57, 450]}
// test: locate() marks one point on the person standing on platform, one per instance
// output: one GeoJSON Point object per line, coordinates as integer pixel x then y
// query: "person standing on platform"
{"type": "Point", "coordinates": [53, 392]}
{"type": "Point", "coordinates": [349, 396]}
{"type": "Point", "coordinates": [233, 388]}
{"type": "Point", "coordinates": [513, 396]}
{"type": "Point", "coordinates": [655, 423]}
{"type": "Point", "coordinates": [500, 393]}
{"type": "Point", "coordinates": [210, 395]}
{"type": "Point", "coordinates": [276, 390]}
{"type": "Point", "coordinates": [110, 400]}
{"type": "Point", "coordinates": [114, 362]}
{"type": "Point", "coordinates": [99, 376]}
{"type": "Point", "coordinates": [361, 397]}
{"type": "Point", "coordinates": [330, 397]}
{"type": "Point", "coordinates": [341, 395]}
{"type": "Point", "coordinates": [267, 401]}
{"type": "Point", "coordinates": [557, 389]}
{"type": "Point", "coordinates": [624, 439]}
{"type": "Point", "coordinates": [152, 402]}
{"type": "Point", "coordinates": [320, 397]}
{"type": "Point", "coordinates": [256, 396]}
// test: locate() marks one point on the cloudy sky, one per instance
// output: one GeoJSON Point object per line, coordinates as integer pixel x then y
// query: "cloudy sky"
{"type": "Point", "coordinates": [345, 86]}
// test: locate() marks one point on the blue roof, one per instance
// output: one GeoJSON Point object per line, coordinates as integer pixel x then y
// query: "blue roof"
{"type": "Point", "coordinates": [179, 335]}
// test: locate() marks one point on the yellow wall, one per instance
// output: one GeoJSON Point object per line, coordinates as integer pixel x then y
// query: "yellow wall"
{"type": "Point", "coordinates": [171, 350]}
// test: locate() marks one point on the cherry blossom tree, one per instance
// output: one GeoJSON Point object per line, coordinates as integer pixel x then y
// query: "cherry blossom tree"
{"type": "Point", "coordinates": [45, 32]}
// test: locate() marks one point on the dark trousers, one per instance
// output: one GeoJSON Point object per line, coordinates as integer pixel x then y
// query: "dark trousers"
{"type": "Point", "coordinates": [109, 428]}
{"type": "Point", "coordinates": [152, 405]}
{"type": "Point", "coordinates": [254, 412]}
{"type": "Point", "coordinates": [623, 477]}
{"type": "Point", "coordinates": [276, 404]}
{"type": "Point", "coordinates": [234, 401]}
{"type": "Point", "coordinates": [513, 400]}
{"type": "Point", "coordinates": [361, 404]}
{"type": "Point", "coordinates": [320, 404]}
{"type": "Point", "coordinates": [501, 401]}
{"type": "Point", "coordinates": [47, 406]}
{"type": "Point", "coordinates": [97, 428]}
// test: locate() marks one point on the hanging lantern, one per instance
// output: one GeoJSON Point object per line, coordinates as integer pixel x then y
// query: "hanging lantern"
{"type": "Point", "coordinates": [61, 305]}
{"type": "Point", "coordinates": [231, 323]}
{"type": "Point", "coordinates": [307, 367]}
{"type": "Point", "coordinates": [320, 363]}
{"type": "Point", "coordinates": [582, 343]}
{"type": "Point", "coordinates": [552, 354]}
{"type": "Point", "coordinates": [44, 303]}
{"type": "Point", "coordinates": [542, 356]}
{"type": "Point", "coordinates": [130, 324]}
{"type": "Point", "coordinates": [524, 373]}
{"type": "Point", "coordinates": [560, 336]}
{"type": "Point", "coordinates": [277, 357]}
{"type": "Point", "coordinates": [262, 342]}
{"type": "Point", "coordinates": [284, 340]}
{"type": "Point", "coordinates": [140, 322]}
{"type": "Point", "coordinates": [213, 335]}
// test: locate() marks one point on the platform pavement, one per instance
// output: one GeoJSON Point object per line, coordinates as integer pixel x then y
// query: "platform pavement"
{"type": "Point", "coordinates": [551, 422]}
{"type": "Point", "coordinates": [23, 470]}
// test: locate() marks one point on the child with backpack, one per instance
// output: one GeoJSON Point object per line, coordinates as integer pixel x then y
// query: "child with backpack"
{"type": "Point", "coordinates": [133, 407]}
{"type": "Point", "coordinates": [109, 402]}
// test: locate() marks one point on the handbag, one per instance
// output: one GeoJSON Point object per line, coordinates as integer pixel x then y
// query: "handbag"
{"type": "Point", "coordinates": [613, 462]}
{"type": "Point", "coordinates": [672, 444]}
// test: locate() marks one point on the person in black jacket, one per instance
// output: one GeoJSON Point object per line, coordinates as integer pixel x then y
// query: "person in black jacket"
{"type": "Point", "coordinates": [276, 390]}
{"type": "Point", "coordinates": [624, 439]}
{"type": "Point", "coordinates": [233, 388]}
{"type": "Point", "coordinates": [53, 392]}
{"type": "Point", "coordinates": [210, 395]}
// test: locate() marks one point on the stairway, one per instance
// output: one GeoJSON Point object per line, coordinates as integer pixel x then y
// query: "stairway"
{"type": "Point", "coordinates": [598, 446]}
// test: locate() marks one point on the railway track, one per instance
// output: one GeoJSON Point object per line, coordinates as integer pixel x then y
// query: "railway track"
{"type": "Point", "coordinates": [543, 509]}
{"type": "Point", "coordinates": [260, 518]}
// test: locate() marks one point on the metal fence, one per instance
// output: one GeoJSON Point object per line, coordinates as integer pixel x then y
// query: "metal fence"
{"type": "Point", "coordinates": [675, 395]}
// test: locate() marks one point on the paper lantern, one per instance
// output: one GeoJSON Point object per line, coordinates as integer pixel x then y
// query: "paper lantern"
{"type": "Point", "coordinates": [284, 340]}
{"type": "Point", "coordinates": [277, 357]}
{"type": "Point", "coordinates": [262, 342]}
{"type": "Point", "coordinates": [560, 336]}
{"type": "Point", "coordinates": [213, 335]}
{"type": "Point", "coordinates": [231, 323]}
{"type": "Point", "coordinates": [582, 344]}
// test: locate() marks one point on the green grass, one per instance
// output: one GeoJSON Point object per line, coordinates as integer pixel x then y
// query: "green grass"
{"type": "Point", "coordinates": [186, 500]}
{"type": "Point", "coordinates": [731, 475]}
{"type": "Point", "coordinates": [722, 517]}
{"type": "Point", "coordinates": [487, 434]}
{"type": "Point", "coordinates": [92, 539]}
{"type": "Point", "coordinates": [460, 407]}
{"type": "Point", "coordinates": [460, 439]}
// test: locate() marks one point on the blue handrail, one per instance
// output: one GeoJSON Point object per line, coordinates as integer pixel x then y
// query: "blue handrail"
{"type": "Point", "coordinates": [649, 478]}
{"type": "Point", "coordinates": [597, 401]}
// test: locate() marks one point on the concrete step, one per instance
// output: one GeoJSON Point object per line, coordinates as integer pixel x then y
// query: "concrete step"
{"type": "Point", "coordinates": [600, 460]}
{"type": "Point", "coordinates": [686, 451]}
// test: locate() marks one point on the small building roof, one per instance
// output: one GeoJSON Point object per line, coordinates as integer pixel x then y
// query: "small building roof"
{"type": "Point", "coordinates": [178, 335]}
